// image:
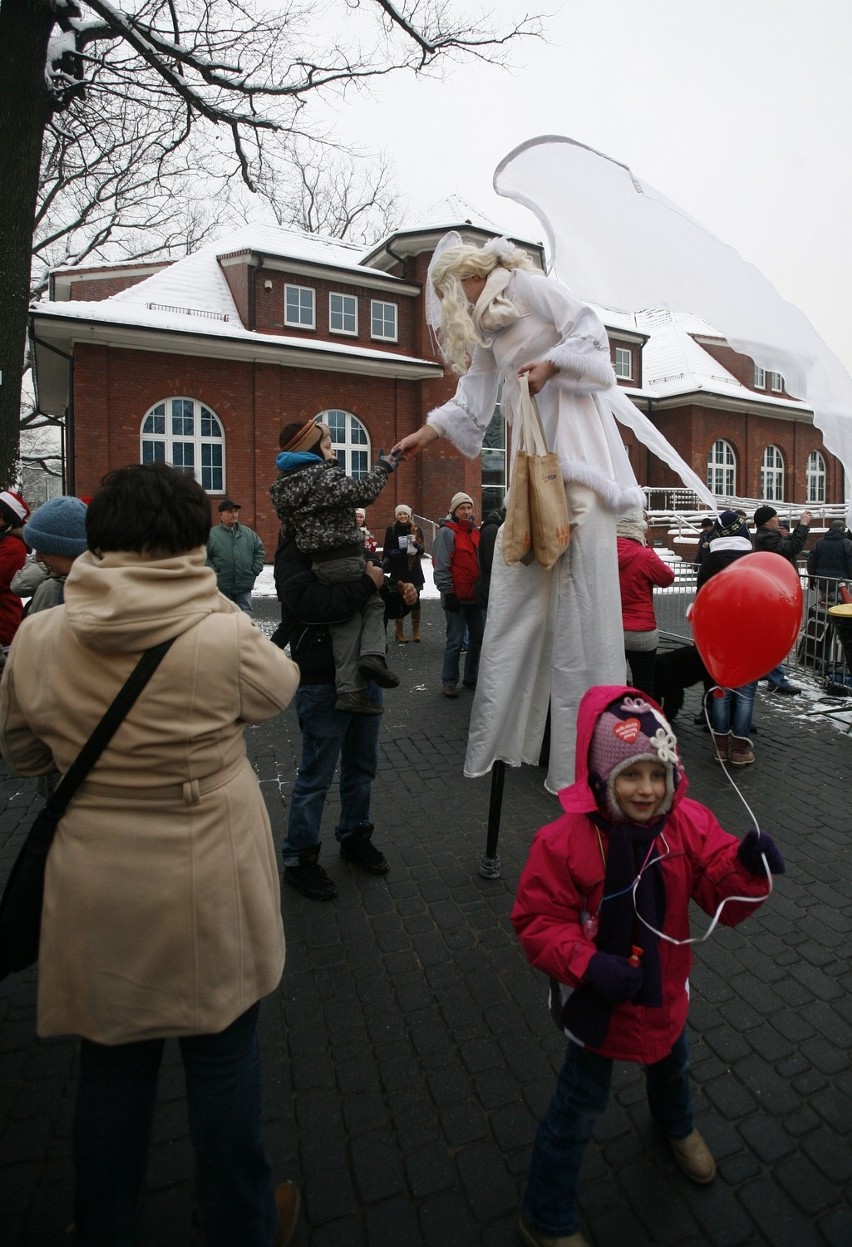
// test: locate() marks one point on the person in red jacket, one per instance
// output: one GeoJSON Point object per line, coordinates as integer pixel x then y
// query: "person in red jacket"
{"type": "Point", "coordinates": [639, 570]}
{"type": "Point", "coordinates": [603, 909]}
{"type": "Point", "coordinates": [455, 553]}
{"type": "Point", "coordinates": [14, 513]}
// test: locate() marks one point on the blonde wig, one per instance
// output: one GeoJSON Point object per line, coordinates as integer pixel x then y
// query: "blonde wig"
{"type": "Point", "coordinates": [459, 330]}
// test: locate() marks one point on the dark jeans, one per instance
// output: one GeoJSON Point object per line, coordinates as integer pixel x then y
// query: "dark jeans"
{"type": "Point", "coordinates": [473, 619]}
{"type": "Point", "coordinates": [642, 665]}
{"type": "Point", "coordinates": [732, 712]}
{"type": "Point", "coordinates": [112, 1129]}
{"type": "Point", "coordinates": [582, 1093]}
{"type": "Point", "coordinates": [329, 734]}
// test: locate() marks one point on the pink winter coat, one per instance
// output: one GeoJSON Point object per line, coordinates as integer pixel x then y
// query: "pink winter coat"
{"type": "Point", "coordinates": [564, 878]}
{"type": "Point", "coordinates": [639, 569]}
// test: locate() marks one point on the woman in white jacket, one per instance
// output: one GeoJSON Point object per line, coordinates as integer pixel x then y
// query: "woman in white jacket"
{"type": "Point", "coordinates": [549, 635]}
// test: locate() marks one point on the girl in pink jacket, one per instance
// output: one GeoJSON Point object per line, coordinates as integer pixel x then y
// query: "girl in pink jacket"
{"type": "Point", "coordinates": [602, 909]}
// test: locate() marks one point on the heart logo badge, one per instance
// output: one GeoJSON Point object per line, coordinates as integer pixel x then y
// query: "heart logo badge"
{"type": "Point", "coordinates": [628, 730]}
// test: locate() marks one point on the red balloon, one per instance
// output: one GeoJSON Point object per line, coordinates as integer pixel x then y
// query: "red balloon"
{"type": "Point", "coordinates": [745, 620]}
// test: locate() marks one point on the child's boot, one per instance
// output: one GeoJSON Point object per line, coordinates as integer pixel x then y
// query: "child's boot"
{"type": "Point", "coordinates": [694, 1157]}
{"type": "Point", "coordinates": [742, 753]}
{"type": "Point", "coordinates": [400, 633]}
{"type": "Point", "coordinates": [415, 624]}
{"type": "Point", "coordinates": [375, 666]}
{"type": "Point", "coordinates": [722, 745]}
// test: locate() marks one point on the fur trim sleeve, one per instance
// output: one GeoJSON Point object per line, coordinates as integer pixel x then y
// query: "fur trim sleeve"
{"type": "Point", "coordinates": [458, 425]}
{"type": "Point", "coordinates": [581, 371]}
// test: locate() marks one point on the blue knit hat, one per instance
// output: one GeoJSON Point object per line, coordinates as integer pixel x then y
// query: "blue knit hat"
{"type": "Point", "coordinates": [58, 527]}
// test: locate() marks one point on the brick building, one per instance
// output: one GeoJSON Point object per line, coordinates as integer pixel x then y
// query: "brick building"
{"type": "Point", "coordinates": [201, 361]}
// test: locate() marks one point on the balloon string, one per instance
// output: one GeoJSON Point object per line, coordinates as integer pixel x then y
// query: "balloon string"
{"type": "Point", "coordinates": [714, 690]}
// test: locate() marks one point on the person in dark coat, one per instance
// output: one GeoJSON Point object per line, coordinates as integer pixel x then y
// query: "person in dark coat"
{"type": "Point", "coordinates": [830, 561]}
{"type": "Point", "coordinates": [488, 530]}
{"type": "Point", "coordinates": [401, 555]}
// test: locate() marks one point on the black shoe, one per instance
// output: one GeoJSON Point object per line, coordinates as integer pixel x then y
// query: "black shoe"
{"type": "Point", "coordinates": [357, 703]}
{"type": "Point", "coordinates": [358, 850]}
{"type": "Point", "coordinates": [310, 879]}
{"type": "Point", "coordinates": [376, 668]}
{"type": "Point", "coordinates": [469, 683]}
{"type": "Point", "coordinates": [786, 690]}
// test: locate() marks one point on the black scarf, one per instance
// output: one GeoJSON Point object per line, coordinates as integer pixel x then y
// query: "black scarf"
{"type": "Point", "coordinates": [586, 1013]}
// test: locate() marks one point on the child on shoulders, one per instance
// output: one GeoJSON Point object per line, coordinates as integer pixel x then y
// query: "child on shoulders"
{"type": "Point", "coordinates": [315, 501]}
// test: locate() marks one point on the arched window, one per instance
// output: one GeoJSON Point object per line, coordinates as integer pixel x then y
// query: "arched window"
{"type": "Point", "coordinates": [186, 434]}
{"type": "Point", "coordinates": [722, 469]}
{"type": "Point", "coordinates": [772, 475]}
{"type": "Point", "coordinates": [815, 477]}
{"type": "Point", "coordinates": [350, 440]}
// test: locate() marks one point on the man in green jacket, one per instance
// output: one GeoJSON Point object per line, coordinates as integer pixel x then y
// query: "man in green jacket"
{"type": "Point", "coordinates": [236, 555]}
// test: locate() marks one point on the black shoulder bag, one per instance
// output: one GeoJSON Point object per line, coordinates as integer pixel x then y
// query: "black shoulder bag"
{"type": "Point", "coordinates": [20, 907]}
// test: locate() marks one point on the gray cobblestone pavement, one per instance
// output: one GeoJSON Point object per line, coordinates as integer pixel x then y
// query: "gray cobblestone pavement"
{"type": "Point", "coordinates": [409, 1053]}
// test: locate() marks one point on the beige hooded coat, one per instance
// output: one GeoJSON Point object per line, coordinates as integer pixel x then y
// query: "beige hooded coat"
{"type": "Point", "coordinates": [162, 906]}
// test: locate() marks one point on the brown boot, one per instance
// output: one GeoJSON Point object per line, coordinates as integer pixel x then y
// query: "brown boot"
{"type": "Point", "coordinates": [722, 743]}
{"type": "Point", "coordinates": [742, 753]}
{"type": "Point", "coordinates": [415, 624]}
{"type": "Point", "coordinates": [400, 635]}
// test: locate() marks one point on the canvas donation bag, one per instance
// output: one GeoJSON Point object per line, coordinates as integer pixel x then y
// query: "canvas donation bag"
{"type": "Point", "coordinates": [536, 524]}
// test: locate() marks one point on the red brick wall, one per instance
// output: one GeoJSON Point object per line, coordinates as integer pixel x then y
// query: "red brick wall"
{"type": "Point", "coordinates": [113, 390]}
{"type": "Point", "coordinates": [98, 288]}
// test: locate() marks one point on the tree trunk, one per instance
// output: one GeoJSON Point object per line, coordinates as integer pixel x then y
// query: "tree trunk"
{"type": "Point", "coordinates": [25, 106]}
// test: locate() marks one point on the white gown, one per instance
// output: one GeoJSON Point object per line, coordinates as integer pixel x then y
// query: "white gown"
{"type": "Point", "coordinates": [551, 635]}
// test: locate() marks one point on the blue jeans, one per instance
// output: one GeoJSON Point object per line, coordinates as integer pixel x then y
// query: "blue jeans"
{"type": "Point", "coordinates": [472, 619]}
{"type": "Point", "coordinates": [329, 734]}
{"type": "Point", "coordinates": [243, 600]}
{"type": "Point", "coordinates": [732, 712]}
{"type": "Point", "coordinates": [777, 676]}
{"type": "Point", "coordinates": [112, 1128]}
{"type": "Point", "coordinates": [582, 1093]}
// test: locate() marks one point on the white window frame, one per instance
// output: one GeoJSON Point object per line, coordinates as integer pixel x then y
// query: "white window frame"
{"type": "Point", "coordinates": [772, 474]}
{"type": "Point", "coordinates": [380, 308]}
{"type": "Point", "coordinates": [343, 308]}
{"type": "Point", "coordinates": [776, 382]}
{"type": "Point", "coordinates": [350, 441]}
{"type": "Point", "coordinates": [815, 477]}
{"type": "Point", "coordinates": [191, 438]}
{"type": "Point", "coordinates": [306, 301]}
{"type": "Point", "coordinates": [722, 469]}
{"type": "Point", "coordinates": [623, 354]}
{"type": "Point", "coordinates": [759, 378]}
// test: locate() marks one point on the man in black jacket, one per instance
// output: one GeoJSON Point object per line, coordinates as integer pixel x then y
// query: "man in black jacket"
{"type": "Point", "coordinates": [830, 561]}
{"type": "Point", "coordinates": [308, 607]}
{"type": "Point", "coordinates": [770, 537]}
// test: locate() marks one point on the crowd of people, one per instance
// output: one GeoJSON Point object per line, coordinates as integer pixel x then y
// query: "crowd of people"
{"type": "Point", "coordinates": [173, 928]}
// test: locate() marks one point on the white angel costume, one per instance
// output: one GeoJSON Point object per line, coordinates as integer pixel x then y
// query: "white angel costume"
{"type": "Point", "coordinates": [550, 635]}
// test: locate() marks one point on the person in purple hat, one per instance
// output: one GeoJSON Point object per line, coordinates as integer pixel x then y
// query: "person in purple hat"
{"type": "Point", "coordinates": [603, 910]}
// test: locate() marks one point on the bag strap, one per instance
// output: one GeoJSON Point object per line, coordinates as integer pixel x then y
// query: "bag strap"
{"type": "Point", "coordinates": [57, 803]}
{"type": "Point", "coordinates": [533, 431]}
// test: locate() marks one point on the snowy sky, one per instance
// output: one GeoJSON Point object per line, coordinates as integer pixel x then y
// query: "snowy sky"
{"type": "Point", "coordinates": [738, 111]}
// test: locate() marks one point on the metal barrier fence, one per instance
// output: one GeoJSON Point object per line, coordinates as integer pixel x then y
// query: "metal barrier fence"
{"type": "Point", "coordinates": [819, 650]}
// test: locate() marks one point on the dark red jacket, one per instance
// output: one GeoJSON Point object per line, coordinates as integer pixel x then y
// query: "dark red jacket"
{"type": "Point", "coordinates": [13, 555]}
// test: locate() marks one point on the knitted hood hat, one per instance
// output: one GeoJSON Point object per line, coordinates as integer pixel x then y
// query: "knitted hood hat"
{"type": "Point", "coordinates": [457, 500]}
{"type": "Point", "coordinates": [13, 510]}
{"type": "Point", "coordinates": [731, 524]}
{"type": "Point", "coordinates": [58, 527]}
{"type": "Point", "coordinates": [633, 525]}
{"type": "Point", "coordinates": [762, 514]}
{"type": "Point", "coordinates": [630, 730]}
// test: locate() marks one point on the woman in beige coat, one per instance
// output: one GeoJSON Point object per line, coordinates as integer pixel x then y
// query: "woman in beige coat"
{"type": "Point", "coordinates": [162, 905]}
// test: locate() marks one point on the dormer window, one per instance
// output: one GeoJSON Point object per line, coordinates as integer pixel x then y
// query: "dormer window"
{"type": "Point", "coordinates": [776, 383]}
{"type": "Point", "coordinates": [300, 307]}
{"type": "Point", "coordinates": [343, 314]}
{"type": "Point", "coordinates": [623, 363]}
{"type": "Point", "coordinates": [759, 378]}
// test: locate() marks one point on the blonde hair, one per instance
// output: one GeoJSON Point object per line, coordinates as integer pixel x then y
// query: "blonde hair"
{"type": "Point", "coordinates": [458, 332]}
